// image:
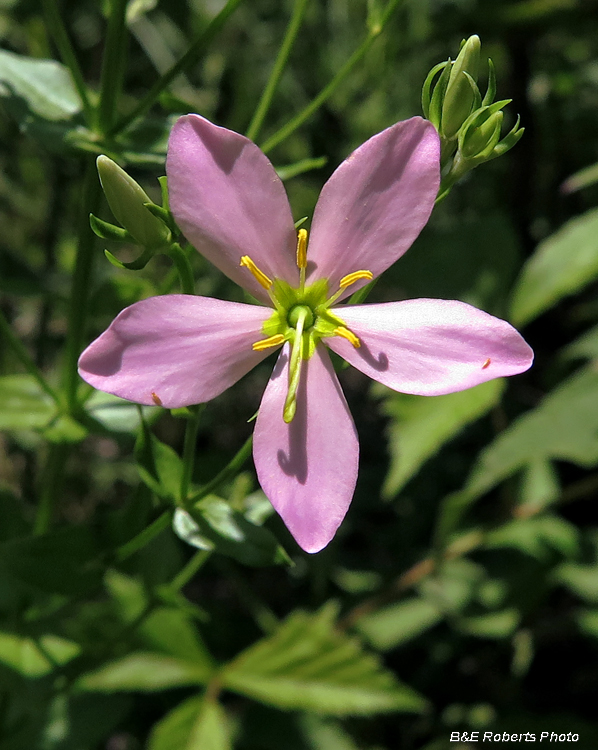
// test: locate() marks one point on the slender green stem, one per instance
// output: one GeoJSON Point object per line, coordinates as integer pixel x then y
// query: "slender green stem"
{"type": "Point", "coordinates": [183, 577]}
{"type": "Point", "coordinates": [21, 352]}
{"type": "Point", "coordinates": [51, 487]}
{"type": "Point", "coordinates": [179, 256]}
{"type": "Point", "coordinates": [328, 90]}
{"type": "Point", "coordinates": [61, 39]}
{"type": "Point", "coordinates": [277, 71]}
{"type": "Point", "coordinates": [189, 450]}
{"type": "Point", "coordinates": [81, 283]}
{"type": "Point", "coordinates": [229, 470]}
{"type": "Point", "coordinates": [113, 64]}
{"type": "Point", "coordinates": [144, 537]}
{"type": "Point", "coordinates": [186, 62]}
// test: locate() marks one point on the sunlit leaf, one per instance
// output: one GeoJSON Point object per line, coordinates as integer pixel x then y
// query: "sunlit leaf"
{"type": "Point", "coordinates": [493, 625]}
{"type": "Point", "coordinates": [23, 404]}
{"type": "Point", "coordinates": [36, 658]}
{"type": "Point", "coordinates": [307, 664]}
{"type": "Point", "coordinates": [45, 85]}
{"type": "Point", "coordinates": [396, 624]}
{"type": "Point", "coordinates": [215, 526]}
{"type": "Point", "coordinates": [144, 672]}
{"type": "Point", "coordinates": [421, 425]}
{"type": "Point", "coordinates": [195, 724]}
{"type": "Point", "coordinates": [562, 264]}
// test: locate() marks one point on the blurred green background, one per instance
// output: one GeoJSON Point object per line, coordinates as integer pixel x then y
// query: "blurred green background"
{"type": "Point", "coordinates": [468, 560]}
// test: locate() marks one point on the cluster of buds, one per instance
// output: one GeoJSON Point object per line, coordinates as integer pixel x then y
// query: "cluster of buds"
{"type": "Point", "coordinates": [469, 125]}
{"type": "Point", "coordinates": [143, 222]}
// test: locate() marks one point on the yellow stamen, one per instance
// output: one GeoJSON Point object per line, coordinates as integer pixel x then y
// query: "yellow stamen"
{"type": "Point", "coordinates": [302, 248]}
{"type": "Point", "coordinates": [260, 276]}
{"type": "Point", "coordinates": [275, 340]}
{"type": "Point", "coordinates": [351, 278]}
{"type": "Point", "coordinates": [347, 334]}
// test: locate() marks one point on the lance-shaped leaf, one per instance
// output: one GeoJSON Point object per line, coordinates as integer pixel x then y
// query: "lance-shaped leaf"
{"type": "Point", "coordinates": [422, 425]}
{"type": "Point", "coordinates": [214, 525]}
{"type": "Point", "coordinates": [563, 264]}
{"type": "Point", "coordinates": [160, 467]}
{"type": "Point", "coordinates": [24, 405]}
{"type": "Point", "coordinates": [145, 672]}
{"type": "Point", "coordinates": [33, 658]}
{"type": "Point", "coordinates": [196, 724]}
{"type": "Point", "coordinates": [307, 664]}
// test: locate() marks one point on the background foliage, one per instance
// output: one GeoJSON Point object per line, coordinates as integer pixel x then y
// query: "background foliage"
{"type": "Point", "coordinates": [461, 592]}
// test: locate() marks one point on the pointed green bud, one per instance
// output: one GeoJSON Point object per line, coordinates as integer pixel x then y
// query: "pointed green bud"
{"type": "Point", "coordinates": [479, 141]}
{"type": "Point", "coordinates": [461, 90]}
{"type": "Point", "coordinates": [127, 202]}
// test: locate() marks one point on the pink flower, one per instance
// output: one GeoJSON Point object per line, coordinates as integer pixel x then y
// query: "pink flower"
{"type": "Point", "coordinates": [178, 349]}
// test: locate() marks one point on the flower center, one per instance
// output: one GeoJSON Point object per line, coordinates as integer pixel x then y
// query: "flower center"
{"type": "Point", "coordinates": [301, 311]}
{"type": "Point", "coordinates": [302, 316]}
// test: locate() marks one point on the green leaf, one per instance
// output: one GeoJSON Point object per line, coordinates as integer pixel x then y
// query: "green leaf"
{"type": "Point", "coordinates": [536, 536]}
{"type": "Point", "coordinates": [585, 347]}
{"type": "Point", "coordinates": [196, 724]}
{"type": "Point", "coordinates": [45, 85]}
{"type": "Point", "coordinates": [397, 624]}
{"type": "Point", "coordinates": [494, 625]}
{"type": "Point", "coordinates": [564, 427]}
{"type": "Point", "coordinates": [116, 414]}
{"type": "Point", "coordinates": [144, 672]}
{"type": "Point", "coordinates": [421, 425]}
{"type": "Point", "coordinates": [65, 429]}
{"type": "Point", "coordinates": [562, 265]}
{"type": "Point", "coordinates": [214, 525]}
{"type": "Point", "coordinates": [172, 632]}
{"type": "Point", "coordinates": [24, 405]}
{"type": "Point", "coordinates": [30, 659]}
{"type": "Point", "coordinates": [160, 467]}
{"type": "Point", "coordinates": [582, 580]}
{"type": "Point", "coordinates": [306, 664]}
{"type": "Point", "coordinates": [587, 619]}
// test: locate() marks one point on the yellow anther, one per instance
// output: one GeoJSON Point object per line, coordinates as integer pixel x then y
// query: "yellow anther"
{"type": "Point", "coordinates": [275, 340]}
{"type": "Point", "coordinates": [302, 248]}
{"type": "Point", "coordinates": [347, 334]}
{"type": "Point", "coordinates": [351, 278]}
{"type": "Point", "coordinates": [260, 276]}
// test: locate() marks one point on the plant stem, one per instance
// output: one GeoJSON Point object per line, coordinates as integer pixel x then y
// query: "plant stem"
{"type": "Point", "coordinates": [51, 486]}
{"type": "Point", "coordinates": [277, 71]}
{"type": "Point", "coordinates": [187, 61]}
{"type": "Point", "coordinates": [183, 577]}
{"type": "Point", "coordinates": [61, 39]}
{"type": "Point", "coordinates": [328, 90]}
{"type": "Point", "coordinates": [22, 354]}
{"type": "Point", "coordinates": [144, 537]}
{"type": "Point", "coordinates": [189, 452]}
{"type": "Point", "coordinates": [81, 283]}
{"type": "Point", "coordinates": [113, 64]}
{"type": "Point", "coordinates": [230, 470]}
{"type": "Point", "coordinates": [181, 260]}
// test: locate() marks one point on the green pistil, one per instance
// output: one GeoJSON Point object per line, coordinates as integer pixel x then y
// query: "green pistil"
{"type": "Point", "coordinates": [299, 315]}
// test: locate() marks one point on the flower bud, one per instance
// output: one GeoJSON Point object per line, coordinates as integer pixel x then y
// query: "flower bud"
{"type": "Point", "coordinates": [460, 93]}
{"type": "Point", "coordinates": [126, 200]}
{"type": "Point", "coordinates": [481, 136]}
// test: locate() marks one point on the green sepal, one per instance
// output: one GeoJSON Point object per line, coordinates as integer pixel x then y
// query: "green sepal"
{"type": "Point", "coordinates": [507, 143]}
{"type": "Point", "coordinates": [300, 222]}
{"type": "Point", "coordinates": [106, 231]}
{"type": "Point", "coordinates": [164, 215]}
{"type": "Point", "coordinates": [435, 108]}
{"type": "Point", "coordinates": [134, 265]}
{"type": "Point", "coordinates": [491, 90]}
{"type": "Point", "coordinates": [426, 88]}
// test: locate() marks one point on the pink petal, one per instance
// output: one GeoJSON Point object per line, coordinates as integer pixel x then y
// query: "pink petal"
{"type": "Point", "coordinates": [376, 203]}
{"type": "Point", "coordinates": [430, 347]}
{"type": "Point", "coordinates": [182, 349]}
{"type": "Point", "coordinates": [307, 468]}
{"type": "Point", "coordinates": [228, 201]}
